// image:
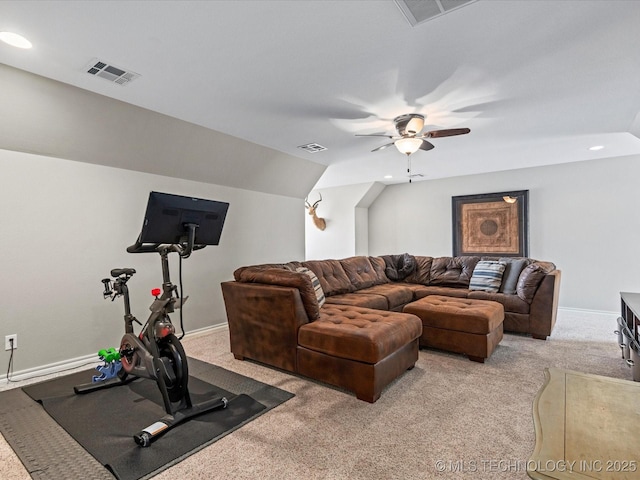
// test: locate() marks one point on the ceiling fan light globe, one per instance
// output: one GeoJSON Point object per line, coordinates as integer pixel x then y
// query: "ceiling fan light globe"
{"type": "Point", "coordinates": [415, 125]}
{"type": "Point", "coordinates": [408, 145]}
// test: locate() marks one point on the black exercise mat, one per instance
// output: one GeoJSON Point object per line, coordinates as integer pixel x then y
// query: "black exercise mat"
{"type": "Point", "coordinates": [103, 422]}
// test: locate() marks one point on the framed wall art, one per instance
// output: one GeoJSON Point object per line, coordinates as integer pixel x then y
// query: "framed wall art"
{"type": "Point", "coordinates": [491, 224]}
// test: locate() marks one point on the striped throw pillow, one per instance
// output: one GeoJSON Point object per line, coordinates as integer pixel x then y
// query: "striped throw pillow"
{"type": "Point", "coordinates": [487, 276]}
{"type": "Point", "coordinates": [315, 283]}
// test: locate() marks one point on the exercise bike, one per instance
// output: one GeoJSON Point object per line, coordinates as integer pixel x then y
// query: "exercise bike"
{"type": "Point", "coordinates": [156, 353]}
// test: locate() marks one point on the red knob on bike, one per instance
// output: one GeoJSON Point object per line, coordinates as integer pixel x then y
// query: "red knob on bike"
{"type": "Point", "coordinates": [155, 292]}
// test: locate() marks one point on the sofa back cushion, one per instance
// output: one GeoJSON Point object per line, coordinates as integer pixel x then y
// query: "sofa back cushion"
{"type": "Point", "coordinates": [285, 278]}
{"type": "Point", "coordinates": [422, 273]}
{"type": "Point", "coordinates": [333, 278]}
{"type": "Point", "coordinates": [452, 271]}
{"type": "Point", "coordinates": [530, 279]}
{"type": "Point", "coordinates": [360, 272]}
{"type": "Point", "coordinates": [378, 267]}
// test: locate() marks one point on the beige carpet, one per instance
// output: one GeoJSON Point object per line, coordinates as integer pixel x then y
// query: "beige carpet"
{"type": "Point", "coordinates": [448, 418]}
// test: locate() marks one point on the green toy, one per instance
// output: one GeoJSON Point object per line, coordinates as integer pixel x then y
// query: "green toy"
{"type": "Point", "coordinates": [111, 366]}
{"type": "Point", "coordinates": [109, 355]}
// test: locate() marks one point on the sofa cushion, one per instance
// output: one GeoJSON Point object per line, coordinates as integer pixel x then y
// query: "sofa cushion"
{"type": "Point", "coordinates": [360, 334]}
{"type": "Point", "coordinates": [378, 267]}
{"type": "Point", "coordinates": [420, 291]}
{"type": "Point", "coordinates": [530, 279]}
{"type": "Point", "coordinates": [396, 295]}
{"type": "Point", "coordinates": [398, 267]}
{"type": "Point", "coordinates": [511, 303]}
{"type": "Point", "coordinates": [452, 271]}
{"type": "Point", "coordinates": [360, 272]}
{"type": "Point", "coordinates": [332, 276]}
{"type": "Point", "coordinates": [487, 276]}
{"type": "Point", "coordinates": [285, 278]}
{"type": "Point", "coordinates": [358, 299]}
{"type": "Point", "coordinates": [315, 283]}
{"type": "Point", "coordinates": [422, 274]}
{"type": "Point", "coordinates": [512, 271]}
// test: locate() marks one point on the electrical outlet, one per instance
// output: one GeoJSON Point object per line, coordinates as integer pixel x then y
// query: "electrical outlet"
{"type": "Point", "coordinates": [7, 341]}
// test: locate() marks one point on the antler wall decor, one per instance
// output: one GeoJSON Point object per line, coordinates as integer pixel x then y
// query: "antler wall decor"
{"type": "Point", "coordinates": [320, 223]}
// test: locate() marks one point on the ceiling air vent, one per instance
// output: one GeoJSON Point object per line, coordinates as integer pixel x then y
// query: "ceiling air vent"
{"type": "Point", "coordinates": [418, 11]}
{"type": "Point", "coordinates": [312, 147]}
{"type": "Point", "coordinates": [110, 72]}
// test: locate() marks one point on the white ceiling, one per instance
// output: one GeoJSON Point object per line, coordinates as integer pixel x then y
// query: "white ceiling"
{"type": "Point", "coordinates": [537, 82]}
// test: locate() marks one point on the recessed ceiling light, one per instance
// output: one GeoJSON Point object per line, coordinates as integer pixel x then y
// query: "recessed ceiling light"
{"type": "Point", "coordinates": [596, 147]}
{"type": "Point", "coordinates": [15, 40]}
{"type": "Point", "coordinates": [388, 176]}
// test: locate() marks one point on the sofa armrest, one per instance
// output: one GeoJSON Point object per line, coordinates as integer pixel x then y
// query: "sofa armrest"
{"type": "Point", "coordinates": [264, 321]}
{"type": "Point", "coordinates": [544, 306]}
{"type": "Point", "coordinates": [285, 278]}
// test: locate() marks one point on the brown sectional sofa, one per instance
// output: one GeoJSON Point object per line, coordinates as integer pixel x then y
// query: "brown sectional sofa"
{"type": "Point", "coordinates": [359, 339]}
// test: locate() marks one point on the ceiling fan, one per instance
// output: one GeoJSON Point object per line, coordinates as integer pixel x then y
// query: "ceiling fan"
{"type": "Point", "coordinates": [409, 139]}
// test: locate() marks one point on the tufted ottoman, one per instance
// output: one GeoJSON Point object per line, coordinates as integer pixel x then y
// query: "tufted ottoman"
{"type": "Point", "coordinates": [359, 349]}
{"type": "Point", "coordinates": [461, 325]}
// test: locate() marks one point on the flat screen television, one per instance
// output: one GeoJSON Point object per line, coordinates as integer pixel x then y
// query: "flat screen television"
{"type": "Point", "coordinates": [168, 215]}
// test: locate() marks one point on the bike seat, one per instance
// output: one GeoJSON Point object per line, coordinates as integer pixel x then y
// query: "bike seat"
{"type": "Point", "coordinates": [116, 272]}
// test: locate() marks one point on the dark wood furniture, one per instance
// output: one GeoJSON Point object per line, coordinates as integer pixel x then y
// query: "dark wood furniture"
{"type": "Point", "coordinates": [629, 331]}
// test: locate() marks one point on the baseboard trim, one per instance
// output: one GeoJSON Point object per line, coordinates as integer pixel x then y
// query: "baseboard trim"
{"type": "Point", "coordinates": [586, 311]}
{"type": "Point", "coordinates": [52, 368]}
{"type": "Point", "coordinates": [86, 360]}
{"type": "Point", "coordinates": [211, 329]}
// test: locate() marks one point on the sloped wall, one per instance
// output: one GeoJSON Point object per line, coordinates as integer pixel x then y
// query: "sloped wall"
{"type": "Point", "coordinates": [66, 224]}
{"type": "Point", "coordinates": [51, 118]}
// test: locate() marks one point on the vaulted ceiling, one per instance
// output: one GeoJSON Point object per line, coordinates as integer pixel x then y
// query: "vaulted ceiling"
{"type": "Point", "coordinates": [537, 82]}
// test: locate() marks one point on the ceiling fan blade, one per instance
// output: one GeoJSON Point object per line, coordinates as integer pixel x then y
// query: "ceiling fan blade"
{"type": "Point", "coordinates": [426, 145]}
{"type": "Point", "coordinates": [447, 133]}
{"type": "Point", "coordinates": [382, 147]}
{"type": "Point", "coordinates": [374, 135]}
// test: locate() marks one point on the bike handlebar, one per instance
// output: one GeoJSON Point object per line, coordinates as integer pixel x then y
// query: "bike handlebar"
{"type": "Point", "coordinates": [140, 247]}
{"type": "Point", "coordinates": [182, 249]}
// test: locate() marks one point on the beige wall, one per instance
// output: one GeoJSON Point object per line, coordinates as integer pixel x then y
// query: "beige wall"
{"type": "Point", "coordinates": [583, 216]}
{"type": "Point", "coordinates": [66, 224]}
{"type": "Point", "coordinates": [345, 212]}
